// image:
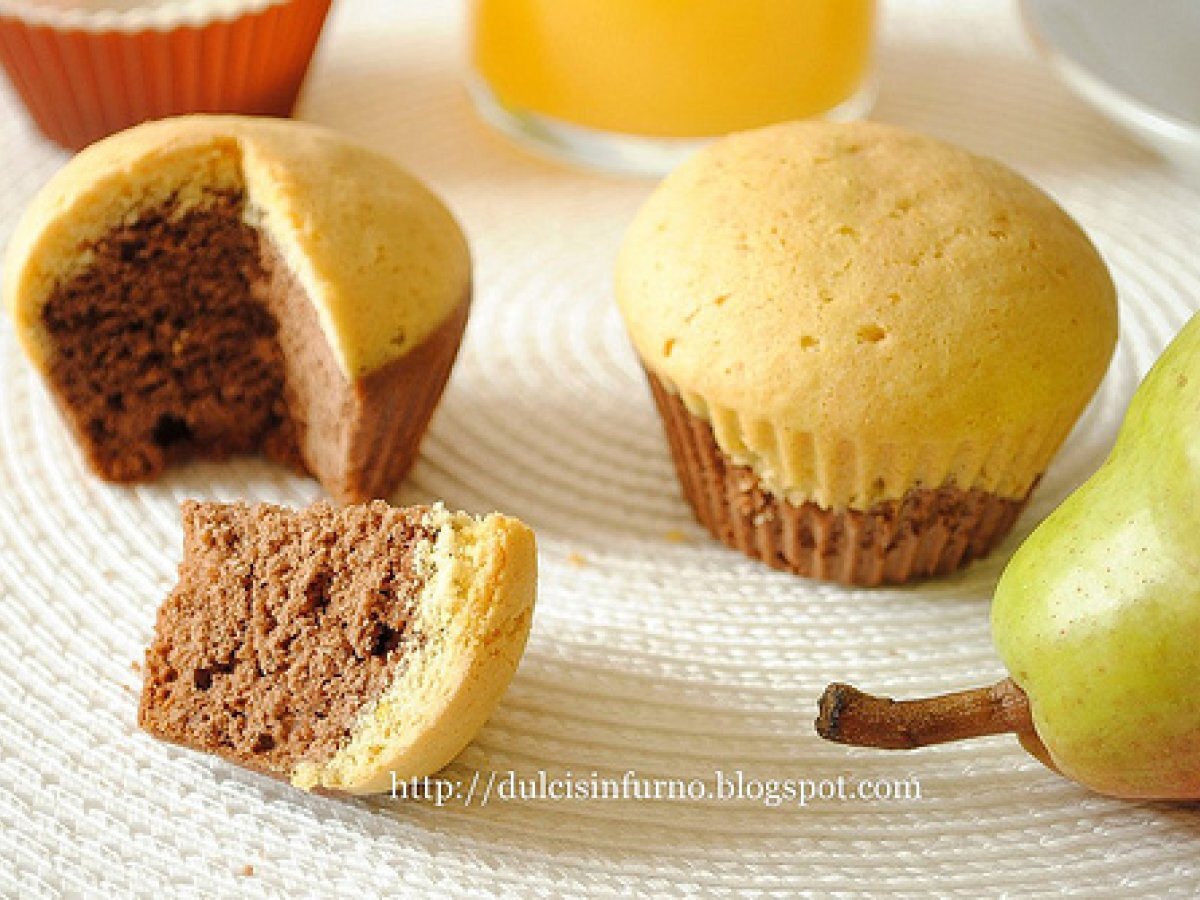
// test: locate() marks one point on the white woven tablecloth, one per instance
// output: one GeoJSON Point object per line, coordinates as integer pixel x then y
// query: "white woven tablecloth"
{"type": "Point", "coordinates": [653, 649]}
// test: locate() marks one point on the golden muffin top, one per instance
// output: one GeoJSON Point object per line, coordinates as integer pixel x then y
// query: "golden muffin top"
{"type": "Point", "coordinates": [380, 257]}
{"type": "Point", "coordinates": [840, 283]}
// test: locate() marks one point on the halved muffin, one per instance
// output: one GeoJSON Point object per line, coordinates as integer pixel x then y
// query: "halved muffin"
{"type": "Point", "coordinates": [212, 285]}
{"type": "Point", "coordinates": [338, 648]}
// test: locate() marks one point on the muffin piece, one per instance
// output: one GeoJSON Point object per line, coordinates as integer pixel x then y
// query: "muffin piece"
{"type": "Point", "coordinates": [88, 69]}
{"type": "Point", "coordinates": [213, 285]}
{"type": "Point", "coordinates": [866, 344]}
{"type": "Point", "coordinates": [335, 647]}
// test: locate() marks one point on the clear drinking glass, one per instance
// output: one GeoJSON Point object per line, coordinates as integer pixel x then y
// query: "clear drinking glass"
{"type": "Point", "coordinates": [635, 85]}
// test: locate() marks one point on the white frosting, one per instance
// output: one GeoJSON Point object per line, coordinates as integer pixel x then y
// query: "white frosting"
{"type": "Point", "coordinates": [129, 15]}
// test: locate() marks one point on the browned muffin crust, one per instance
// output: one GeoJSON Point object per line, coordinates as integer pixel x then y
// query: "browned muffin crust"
{"type": "Point", "coordinates": [928, 532]}
{"type": "Point", "coordinates": [282, 627]}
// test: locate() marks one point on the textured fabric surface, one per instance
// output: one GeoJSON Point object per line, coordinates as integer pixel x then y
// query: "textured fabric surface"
{"type": "Point", "coordinates": [654, 649]}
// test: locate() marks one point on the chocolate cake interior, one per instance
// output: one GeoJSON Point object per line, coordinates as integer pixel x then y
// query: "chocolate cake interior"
{"type": "Point", "coordinates": [165, 343]}
{"type": "Point", "coordinates": [283, 626]}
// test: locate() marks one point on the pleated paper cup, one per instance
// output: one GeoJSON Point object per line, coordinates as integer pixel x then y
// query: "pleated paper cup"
{"type": "Point", "coordinates": [86, 70]}
{"type": "Point", "coordinates": [928, 533]}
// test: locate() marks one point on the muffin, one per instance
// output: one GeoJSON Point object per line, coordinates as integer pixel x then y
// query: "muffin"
{"type": "Point", "coordinates": [347, 649]}
{"type": "Point", "coordinates": [866, 344]}
{"type": "Point", "coordinates": [205, 286]}
{"type": "Point", "coordinates": [89, 68]}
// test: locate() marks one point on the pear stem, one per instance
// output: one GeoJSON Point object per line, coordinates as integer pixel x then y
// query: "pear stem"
{"type": "Point", "coordinates": [850, 716]}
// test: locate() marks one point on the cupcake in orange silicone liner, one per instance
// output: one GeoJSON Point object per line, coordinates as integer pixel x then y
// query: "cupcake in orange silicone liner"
{"type": "Point", "coordinates": [89, 68]}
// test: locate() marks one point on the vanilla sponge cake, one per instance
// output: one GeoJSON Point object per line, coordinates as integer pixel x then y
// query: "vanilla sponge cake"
{"type": "Point", "coordinates": [338, 648]}
{"type": "Point", "coordinates": [866, 344]}
{"type": "Point", "coordinates": [211, 285]}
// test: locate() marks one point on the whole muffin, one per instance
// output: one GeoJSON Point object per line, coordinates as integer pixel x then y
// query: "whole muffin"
{"type": "Point", "coordinates": [210, 285]}
{"type": "Point", "coordinates": [866, 344]}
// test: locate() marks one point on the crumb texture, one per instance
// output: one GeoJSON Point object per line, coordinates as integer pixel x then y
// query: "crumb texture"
{"type": "Point", "coordinates": [282, 628]}
{"type": "Point", "coordinates": [164, 347]}
{"type": "Point", "coordinates": [187, 334]}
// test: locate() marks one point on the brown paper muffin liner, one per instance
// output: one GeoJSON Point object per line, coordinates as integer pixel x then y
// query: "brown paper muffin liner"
{"type": "Point", "coordinates": [81, 84]}
{"type": "Point", "coordinates": [927, 533]}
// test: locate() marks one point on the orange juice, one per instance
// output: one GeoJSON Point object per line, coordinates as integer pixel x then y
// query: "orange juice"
{"type": "Point", "coordinates": [672, 68]}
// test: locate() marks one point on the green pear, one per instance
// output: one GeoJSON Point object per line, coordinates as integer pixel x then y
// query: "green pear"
{"type": "Point", "coordinates": [1096, 618]}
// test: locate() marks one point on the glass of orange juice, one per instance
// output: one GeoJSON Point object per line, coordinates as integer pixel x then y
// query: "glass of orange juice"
{"type": "Point", "coordinates": [637, 84]}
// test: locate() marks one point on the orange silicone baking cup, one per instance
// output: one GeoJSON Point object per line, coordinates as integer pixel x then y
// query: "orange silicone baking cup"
{"type": "Point", "coordinates": [80, 84]}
